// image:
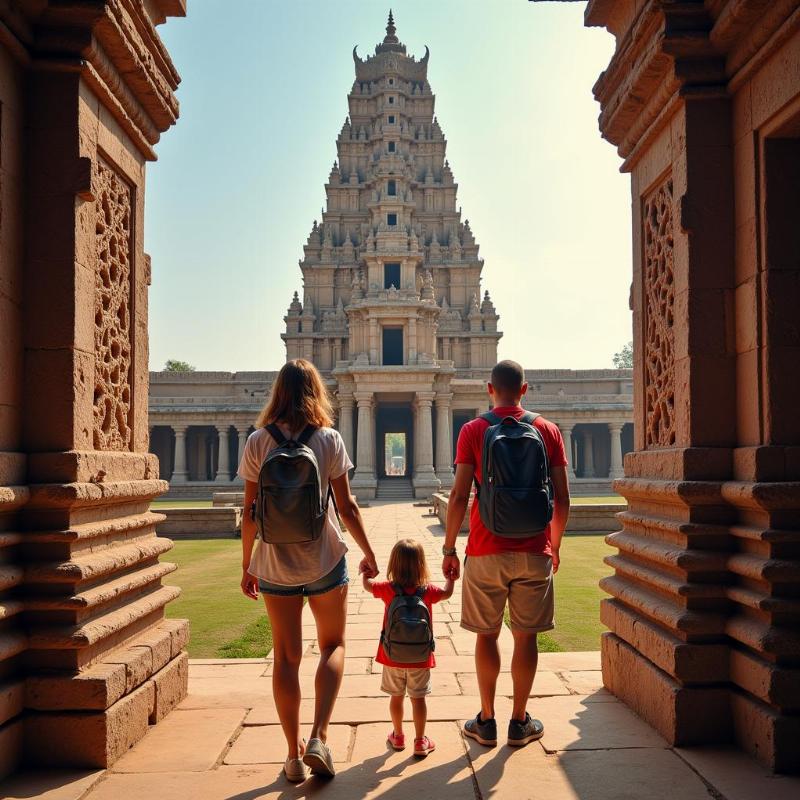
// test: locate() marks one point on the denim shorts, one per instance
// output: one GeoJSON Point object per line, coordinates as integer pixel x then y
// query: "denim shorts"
{"type": "Point", "coordinates": [333, 580]}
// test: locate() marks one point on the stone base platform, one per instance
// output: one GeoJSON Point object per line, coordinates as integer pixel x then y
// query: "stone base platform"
{"type": "Point", "coordinates": [200, 523]}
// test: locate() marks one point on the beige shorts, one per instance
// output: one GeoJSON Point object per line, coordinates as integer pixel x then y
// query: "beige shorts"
{"type": "Point", "coordinates": [524, 580]}
{"type": "Point", "coordinates": [401, 681]}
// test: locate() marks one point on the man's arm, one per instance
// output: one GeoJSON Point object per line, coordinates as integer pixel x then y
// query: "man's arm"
{"type": "Point", "coordinates": [560, 511]}
{"type": "Point", "coordinates": [456, 509]}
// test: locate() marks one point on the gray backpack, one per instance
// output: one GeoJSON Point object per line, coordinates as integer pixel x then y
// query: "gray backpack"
{"type": "Point", "coordinates": [408, 635]}
{"type": "Point", "coordinates": [288, 507]}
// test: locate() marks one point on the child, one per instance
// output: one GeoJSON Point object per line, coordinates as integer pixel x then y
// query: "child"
{"type": "Point", "coordinates": [407, 635]}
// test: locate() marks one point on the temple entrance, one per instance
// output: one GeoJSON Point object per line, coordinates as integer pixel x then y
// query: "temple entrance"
{"type": "Point", "coordinates": [394, 428]}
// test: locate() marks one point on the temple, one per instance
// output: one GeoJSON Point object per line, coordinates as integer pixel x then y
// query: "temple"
{"type": "Point", "coordinates": [394, 314]}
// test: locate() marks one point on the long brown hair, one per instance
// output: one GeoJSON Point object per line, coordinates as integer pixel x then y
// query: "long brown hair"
{"type": "Point", "coordinates": [298, 398]}
{"type": "Point", "coordinates": [407, 565]}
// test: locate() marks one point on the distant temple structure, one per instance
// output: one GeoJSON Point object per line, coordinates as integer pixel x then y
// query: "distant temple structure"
{"type": "Point", "coordinates": [394, 315]}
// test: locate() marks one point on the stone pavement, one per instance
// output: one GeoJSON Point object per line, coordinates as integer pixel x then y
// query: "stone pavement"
{"type": "Point", "coordinates": [223, 741]}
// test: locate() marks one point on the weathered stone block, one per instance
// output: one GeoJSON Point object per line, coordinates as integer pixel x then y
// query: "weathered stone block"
{"type": "Point", "coordinates": [89, 739]}
{"type": "Point", "coordinates": [96, 688]}
{"type": "Point", "coordinates": [171, 684]}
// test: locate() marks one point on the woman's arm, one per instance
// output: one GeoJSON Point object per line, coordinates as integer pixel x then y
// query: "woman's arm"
{"type": "Point", "coordinates": [351, 516]}
{"type": "Point", "coordinates": [249, 583]}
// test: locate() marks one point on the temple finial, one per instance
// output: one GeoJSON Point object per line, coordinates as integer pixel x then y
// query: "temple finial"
{"type": "Point", "coordinates": [391, 30]}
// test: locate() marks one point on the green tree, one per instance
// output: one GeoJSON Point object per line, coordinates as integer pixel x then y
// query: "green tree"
{"type": "Point", "coordinates": [624, 359]}
{"type": "Point", "coordinates": [173, 365]}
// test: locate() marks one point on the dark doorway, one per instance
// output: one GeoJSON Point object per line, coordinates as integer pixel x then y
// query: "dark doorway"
{"type": "Point", "coordinates": [391, 275]}
{"type": "Point", "coordinates": [394, 427]}
{"type": "Point", "coordinates": [392, 346]}
{"type": "Point", "coordinates": [460, 418]}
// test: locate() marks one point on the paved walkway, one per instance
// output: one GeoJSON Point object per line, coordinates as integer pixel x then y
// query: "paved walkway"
{"type": "Point", "coordinates": [223, 741]}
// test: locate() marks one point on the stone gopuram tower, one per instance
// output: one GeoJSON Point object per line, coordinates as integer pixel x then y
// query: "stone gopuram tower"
{"type": "Point", "coordinates": [392, 310]}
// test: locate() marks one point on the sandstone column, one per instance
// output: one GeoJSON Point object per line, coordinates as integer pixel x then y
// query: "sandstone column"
{"type": "Point", "coordinates": [444, 439]}
{"type": "Point", "coordinates": [616, 470]}
{"type": "Point", "coordinates": [242, 441]}
{"type": "Point", "coordinates": [588, 454]}
{"type": "Point", "coordinates": [223, 455]}
{"type": "Point", "coordinates": [412, 341]}
{"type": "Point", "coordinates": [179, 473]}
{"type": "Point", "coordinates": [425, 480]}
{"type": "Point", "coordinates": [346, 423]}
{"type": "Point", "coordinates": [364, 481]}
{"type": "Point", "coordinates": [374, 343]}
{"type": "Point", "coordinates": [101, 662]}
{"type": "Point", "coordinates": [566, 432]}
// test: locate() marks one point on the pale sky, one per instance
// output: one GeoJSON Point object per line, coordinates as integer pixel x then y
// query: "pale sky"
{"type": "Point", "coordinates": [231, 200]}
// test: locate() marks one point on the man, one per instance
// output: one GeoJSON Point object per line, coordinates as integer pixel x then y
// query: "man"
{"type": "Point", "coordinates": [498, 569]}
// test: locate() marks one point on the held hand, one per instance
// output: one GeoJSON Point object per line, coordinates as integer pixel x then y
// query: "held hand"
{"type": "Point", "coordinates": [556, 560]}
{"type": "Point", "coordinates": [368, 566]}
{"type": "Point", "coordinates": [451, 568]}
{"type": "Point", "coordinates": [249, 585]}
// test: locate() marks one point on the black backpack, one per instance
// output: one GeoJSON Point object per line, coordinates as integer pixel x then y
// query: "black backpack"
{"type": "Point", "coordinates": [408, 635]}
{"type": "Point", "coordinates": [515, 496]}
{"type": "Point", "coordinates": [288, 507]}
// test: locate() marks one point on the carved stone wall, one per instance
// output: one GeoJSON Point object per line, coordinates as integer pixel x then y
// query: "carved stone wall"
{"type": "Point", "coordinates": [659, 306]}
{"type": "Point", "coordinates": [112, 311]}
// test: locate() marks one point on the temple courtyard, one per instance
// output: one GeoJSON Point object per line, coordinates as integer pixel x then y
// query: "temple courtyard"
{"type": "Point", "coordinates": [223, 740]}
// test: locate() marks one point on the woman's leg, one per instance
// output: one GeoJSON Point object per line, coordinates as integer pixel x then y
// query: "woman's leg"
{"type": "Point", "coordinates": [330, 614]}
{"type": "Point", "coordinates": [285, 617]}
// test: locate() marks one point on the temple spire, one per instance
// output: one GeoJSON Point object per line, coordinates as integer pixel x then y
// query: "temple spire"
{"type": "Point", "coordinates": [390, 37]}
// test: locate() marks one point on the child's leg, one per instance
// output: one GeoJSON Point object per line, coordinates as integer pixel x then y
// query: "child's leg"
{"type": "Point", "coordinates": [419, 685]}
{"type": "Point", "coordinates": [396, 710]}
{"type": "Point", "coordinates": [419, 709]}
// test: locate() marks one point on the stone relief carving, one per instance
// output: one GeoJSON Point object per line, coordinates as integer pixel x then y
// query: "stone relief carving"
{"type": "Point", "coordinates": [659, 305]}
{"type": "Point", "coordinates": [112, 311]}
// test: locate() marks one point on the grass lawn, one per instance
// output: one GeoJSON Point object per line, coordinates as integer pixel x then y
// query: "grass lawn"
{"type": "Point", "coordinates": [224, 623]}
{"type": "Point", "coordinates": [156, 504]}
{"type": "Point", "coordinates": [578, 596]}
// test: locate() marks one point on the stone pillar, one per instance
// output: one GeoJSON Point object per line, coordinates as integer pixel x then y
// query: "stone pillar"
{"type": "Point", "coordinates": [412, 341]}
{"type": "Point", "coordinates": [346, 423]}
{"type": "Point", "coordinates": [179, 473]}
{"type": "Point", "coordinates": [588, 454]}
{"type": "Point", "coordinates": [566, 432]}
{"type": "Point", "coordinates": [616, 470]}
{"type": "Point", "coordinates": [425, 480]}
{"type": "Point", "coordinates": [223, 455]}
{"type": "Point", "coordinates": [374, 343]}
{"type": "Point", "coordinates": [364, 481]}
{"type": "Point", "coordinates": [444, 439]}
{"type": "Point", "coordinates": [241, 437]}
{"type": "Point", "coordinates": [87, 658]}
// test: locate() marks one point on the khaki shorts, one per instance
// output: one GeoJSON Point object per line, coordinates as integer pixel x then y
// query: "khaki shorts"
{"type": "Point", "coordinates": [399, 681]}
{"type": "Point", "coordinates": [525, 580]}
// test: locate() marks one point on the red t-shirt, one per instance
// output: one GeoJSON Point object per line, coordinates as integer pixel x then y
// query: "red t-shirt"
{"type": "Point", "coordinates": [481, 541]}
{"type": "Point", "coordinates": [385, 591]}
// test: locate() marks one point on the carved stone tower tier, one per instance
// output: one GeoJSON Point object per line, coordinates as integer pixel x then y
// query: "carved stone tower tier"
{"type": "Point", "coordinates": [392, 309]}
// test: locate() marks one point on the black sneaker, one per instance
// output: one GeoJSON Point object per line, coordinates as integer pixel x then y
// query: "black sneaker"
{"type": "Point", "coordinates": [520, 733]}
{"type": "Point", "coordinates": [483, 731]}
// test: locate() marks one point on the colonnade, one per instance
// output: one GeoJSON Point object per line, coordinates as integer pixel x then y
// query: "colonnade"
{"type": "Point", "coordinates": [580, 449]}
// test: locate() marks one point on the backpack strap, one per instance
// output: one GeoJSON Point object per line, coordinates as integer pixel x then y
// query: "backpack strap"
{"type": "Point", "coordinates": [398, 590]}
{"type": "Point", "coordinates": [491, 418]}
{"type": "Point", "coordinates": [307, 433]}
{"type": "Point", "coordinates": [275, 432]}
{"type": "Point", "coordinates": [529, 417]}
{"type": "Point", "coordinates": [421, 592]}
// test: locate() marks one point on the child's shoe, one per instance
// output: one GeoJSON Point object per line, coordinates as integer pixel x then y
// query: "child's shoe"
{"type": "Point", "coordinates": [397, 740]}
{"type": "Point", "coordinates": [423, 745]}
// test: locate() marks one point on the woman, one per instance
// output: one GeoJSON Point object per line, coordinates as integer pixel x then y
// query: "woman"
{"type": "Point", "coordinates": [287, 573]}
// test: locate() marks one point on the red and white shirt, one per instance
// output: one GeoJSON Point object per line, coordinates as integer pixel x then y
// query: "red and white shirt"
{"type": "Point", "coordinates": [469, 450]}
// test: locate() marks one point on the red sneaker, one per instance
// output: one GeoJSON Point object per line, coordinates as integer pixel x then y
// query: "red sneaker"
{"type": "Point", "coordinates": [423, 746]}
{"type": "Point", "coordinates": [397, 740]}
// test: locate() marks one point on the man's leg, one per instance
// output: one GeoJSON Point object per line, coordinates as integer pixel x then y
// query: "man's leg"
{"type": "Point", "coordinates": [523, 671]}
{"type": "Point", "coordinates": [487, 665]}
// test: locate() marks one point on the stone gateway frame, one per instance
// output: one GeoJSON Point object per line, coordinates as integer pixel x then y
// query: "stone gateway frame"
{"type": "Point", "coordinates": [702, 100]}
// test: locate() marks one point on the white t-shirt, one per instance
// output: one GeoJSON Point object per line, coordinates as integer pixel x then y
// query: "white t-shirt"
{"type": "Point", "coordinates": [303, 562]}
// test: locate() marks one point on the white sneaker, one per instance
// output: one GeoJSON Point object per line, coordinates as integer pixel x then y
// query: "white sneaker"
{"type": "Point", "coordinates": [295, 770]}
{"type": "Point", "coordinates": [319, 759]}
